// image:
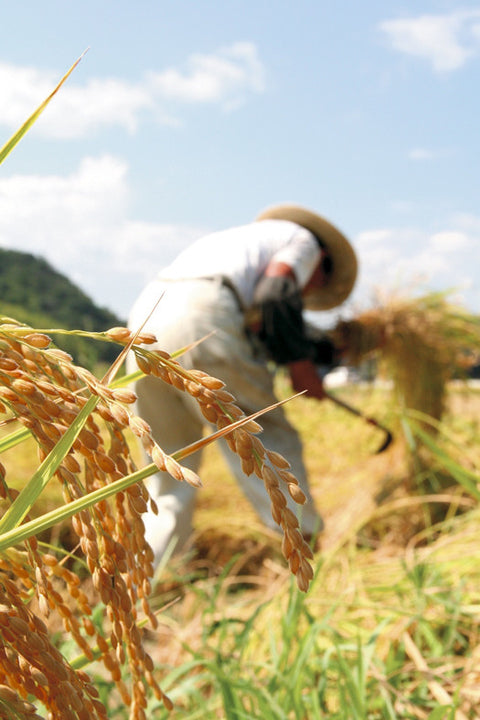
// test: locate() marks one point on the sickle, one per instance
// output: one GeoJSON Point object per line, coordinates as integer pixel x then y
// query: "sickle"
{"type": "Point", "coordinates": [388, 435]}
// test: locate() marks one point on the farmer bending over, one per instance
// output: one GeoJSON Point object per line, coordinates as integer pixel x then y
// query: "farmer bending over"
{"type": "Point", "coordinates": [245, 288]}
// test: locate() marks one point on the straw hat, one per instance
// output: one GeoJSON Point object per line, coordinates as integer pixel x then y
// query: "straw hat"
{"type": "Point", "coordinates": [340, 283]}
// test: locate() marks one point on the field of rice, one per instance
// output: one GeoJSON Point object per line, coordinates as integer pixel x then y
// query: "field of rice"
{"type": "Point", "coordinates": [389, 627]}
{"type": "Point", "coordinates": [379, 621]}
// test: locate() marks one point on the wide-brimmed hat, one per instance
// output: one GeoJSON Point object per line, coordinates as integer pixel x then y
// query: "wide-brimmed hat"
{"type": "Point", "coordinates": [342, 279]}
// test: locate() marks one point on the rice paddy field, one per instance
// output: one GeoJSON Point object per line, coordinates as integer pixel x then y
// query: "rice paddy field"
{"type": "Point", "coordinates": [387, 629]}
{"type": "Point", "coordinates": [378, 620]}
{"type": "Point", "coordinates": [389, 626]}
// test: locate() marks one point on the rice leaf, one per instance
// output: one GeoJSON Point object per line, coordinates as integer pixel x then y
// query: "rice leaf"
{"type": "Point", "coordinates": [27, 497]}
{"type": "Point", "coordinates": [10, 531]}
{"type": "Point", "coordinates": [469, 480]}
{"type": "Point", "coordinates": [15, 438]}
{"type": "Point", "coordinates": [17, 136]}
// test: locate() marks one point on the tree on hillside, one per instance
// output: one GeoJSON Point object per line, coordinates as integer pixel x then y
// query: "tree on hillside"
{"type": "Point", "coordinates": [33, 292]}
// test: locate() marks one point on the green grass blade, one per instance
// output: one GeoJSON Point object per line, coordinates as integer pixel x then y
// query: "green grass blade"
{"type": "Point", "coordinates": [15, 438]}
{"type": "Point", "coordinates": [11, 534]}
{"type": "Point", "coordinates": [17, 136]}
{"type": "Point", "coordinates": [33, 527]}
{"type": "Point", "coordinates": [27, 497]}
{"type": "Point", "coordinates": [469, 480]}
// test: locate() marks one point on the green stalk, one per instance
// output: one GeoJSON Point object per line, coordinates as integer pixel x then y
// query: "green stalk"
{"type": "Point", "coordinates": [16, 137]}
{"type": "Point", "coordinates": [28, 496]}
{"type": "Point", "coordinates": [15, 438]}
{"type": "Point", "coordinates": [13, 536]}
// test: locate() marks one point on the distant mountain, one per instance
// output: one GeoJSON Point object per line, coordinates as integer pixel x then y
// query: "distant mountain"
{"type": "Point", "coordinates": [31, 291]}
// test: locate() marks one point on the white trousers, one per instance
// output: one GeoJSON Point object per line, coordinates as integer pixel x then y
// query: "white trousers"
{"type": "Point", "coordinates": [188, 311]}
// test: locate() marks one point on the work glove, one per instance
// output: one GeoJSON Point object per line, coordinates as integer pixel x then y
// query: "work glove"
{"type": "Point", "coordinates": [282, 327]}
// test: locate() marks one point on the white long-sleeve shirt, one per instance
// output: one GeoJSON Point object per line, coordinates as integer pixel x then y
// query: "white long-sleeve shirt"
{"type": "Point", "coordinates": [242, 253]}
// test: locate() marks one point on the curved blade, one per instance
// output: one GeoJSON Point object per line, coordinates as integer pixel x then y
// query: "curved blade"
{"type": "Point", "coordinates": [388, 435]}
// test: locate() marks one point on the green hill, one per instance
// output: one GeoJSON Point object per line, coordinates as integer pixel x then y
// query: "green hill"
{"type": "Point", "coordinates": [31, 291]}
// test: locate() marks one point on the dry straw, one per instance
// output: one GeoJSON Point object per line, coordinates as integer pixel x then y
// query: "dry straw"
{"type": "Point", "coordinates": [42, 389]}
{"type": "Point", "coordinates": [420, 344]}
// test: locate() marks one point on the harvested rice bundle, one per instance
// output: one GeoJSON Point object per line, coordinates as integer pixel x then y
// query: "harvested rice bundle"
{"type": "Point", "coordinates": [420, 343]}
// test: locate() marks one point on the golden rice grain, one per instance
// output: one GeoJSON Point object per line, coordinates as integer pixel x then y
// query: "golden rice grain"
{"type": "Point", "coordinates": [119, 334]}
{"type": "Point", "coordinates": [123, 395]}
{"type": "Point", "coordinates": [194, 388]}
{"type": "Point", "coordinates": [71, 464]}
{"type": "Point", "coordinates": [176, 380]}
{"type": "Point", "coordinates": [278, 460]}
{"type": "Point", "coordinates": [252, 427]}
{"type": "Point", "coordinates": [297, 494]}
{"type": "Point", "coordinates": [173, 468]}
{"type": "Point", "coordinates": [292, 521]}
{"type": "Point", "coordinates": [212, 383]}
{"type": "Point", "coordinates": [248, 465]}
{"type": "Point", "coordinates": [139, 427]}
{"type": "Point", "coordinates": [38, 340]}
{"type": "Point", "coordinates": [144, 364]}
{"type": "Point", "coordinates": [269, 477]}
{"type": "Point", "coordinates": [145, 338]}
{"type": "Point", "coordinates": [119, 414]}
{"type": "Point", "coordinates": [223, 396]}
{"type": "Point", "coordinates": [191, 477]}
{"type": "Point", "coordinates": [209, 411]}
{"type": "Point", "coordinates": [138, 504]}
{"type": "Point", "coordinates": [277, 498]}
{"type": "Point", "coordinates": [8, 364]}
{"type": "Point", "coordinates": [303, 580]}
{"type": "Point", "coordinates": [243, 443]}
{"type": "Point", "coordinates": [89, 439]}
{"type": "Point", "coordinates": [162, 373]}
{"type": "Point", "coordinates": [287, 476]}
{"type": "Point", "coordinates": [26, 387]}
{"type": "Point", "coordinates": [104, 462]}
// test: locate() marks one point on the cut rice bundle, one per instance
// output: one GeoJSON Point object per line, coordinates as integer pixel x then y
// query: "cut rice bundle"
{"type": "Point", "coordinates": [419, 343]}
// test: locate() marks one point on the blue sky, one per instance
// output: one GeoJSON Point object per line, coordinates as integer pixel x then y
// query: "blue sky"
{"type": "Point", "coordinates": [186, 117]}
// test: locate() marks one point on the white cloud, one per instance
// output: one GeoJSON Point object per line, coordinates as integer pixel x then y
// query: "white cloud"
{"type": "Point", "coordinates": [469, 223]}
{"type": "Point", "coordinates": [373, 237]}
{"type": "Point", "coordinates": [446, 41]}
{"type": "Point", "coordinates": [76, 109]}
{"type": "Point", "coordinates": [423, 154]}
{"type": "Point", "coordinates": [420, 154]}
{"type": "Point", "coordinates": [101, 102]}
{"type": "Point", "coordinates": [403, 207]}
{"type": "Point", "coordinates": [226, 78]}
{"type": "Point", "coordinates": [419, 260]}
{"type": "Point", "coordinates": [80, 224]}
{"type": "Point", "coordinates": [450, 241]}
{"type": "Point", "coordinates": [143, 248]}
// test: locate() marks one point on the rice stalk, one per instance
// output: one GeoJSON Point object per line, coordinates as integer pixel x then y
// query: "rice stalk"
{"type": "Point", "coordinates": [420, 343]}
{"type": "Point", "coordinates": [79, 424]}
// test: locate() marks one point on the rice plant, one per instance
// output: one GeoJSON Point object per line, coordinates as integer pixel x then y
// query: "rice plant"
{"type": "Point", "coordinates": [79, 425]}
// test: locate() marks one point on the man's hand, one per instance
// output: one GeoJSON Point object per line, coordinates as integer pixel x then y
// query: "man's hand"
{"type": "Point", "coordinates": [304, 376]}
